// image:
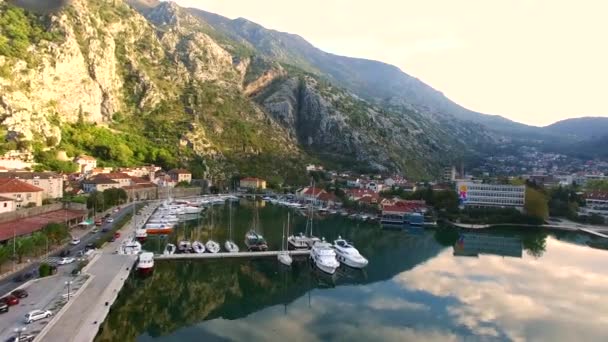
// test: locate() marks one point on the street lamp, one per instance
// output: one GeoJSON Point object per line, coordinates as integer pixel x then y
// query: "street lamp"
{"type": "Point", "coordinates": [19, 331]}
{"type": "Point", "coordinates": [68, 283]}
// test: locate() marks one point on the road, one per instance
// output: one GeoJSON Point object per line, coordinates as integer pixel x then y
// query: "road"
{"type": "Point", "coordinates": [9, 284]}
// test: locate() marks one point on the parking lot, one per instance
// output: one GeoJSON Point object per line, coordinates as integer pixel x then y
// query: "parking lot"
{"type": "Point", "coordinates": [43, 294]}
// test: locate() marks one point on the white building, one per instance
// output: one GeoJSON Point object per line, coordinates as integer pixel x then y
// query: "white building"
{"type": "Point", "coordinates": [449, 174]}
{"type": "Point", "coordinates": [597, 202]}
{"type": "Point", "coordinates": [491, 195]}
{"type": "Point", "coordinates": [50, 182]}
{"type": "Point", "coordinates": [374, 186]}
{"type": "Point", "coordinates": [86, 163]}
{"type": "Point", "coordinates": [6, 205]}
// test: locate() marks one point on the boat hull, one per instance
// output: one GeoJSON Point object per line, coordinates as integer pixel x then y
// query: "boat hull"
{"type": "Point", "coordinates": [159, 231]}
{"type": "Point", "coordinates": [285, 259]}
{"type": "Point", "coordinates": [325, 268]}
{"type": "Point", "coordinates": [354, 263]}
{"type": "Point", "coordinates": [145, 270]}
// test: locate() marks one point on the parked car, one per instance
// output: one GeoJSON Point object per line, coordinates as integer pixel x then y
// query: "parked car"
{"type": "Point", "coordinates": [36, 315]}
{"type": "Point", "coordinates": [22, 338]}
{"type": "Point", "coordinates": [89, 246]}
{"type": "Point", "coordinates": [65, 261]}
{"type": "Point", "coordinates": [64, 253]}
{"type": "Point", "coordinates": [108, 215]}
{"type": "Point", "coordinates": [105, 230]}
{"type": "Point", "coordinates": [22, 277]}
{"type": "Point", "coordinates": [10, 300]}
{"type": "Point", "coordinates": [98, 222]}
{"type": "Point", "coordinates": [75, 241]}
{"type": "Point", "coordinates": [3, 307]}
{"type": "Point", "coordinates": [110, 220]}
{"type": "Point", "coordinates": [95, 230]}
{"type": "Point", "coordinates": [20, 293]}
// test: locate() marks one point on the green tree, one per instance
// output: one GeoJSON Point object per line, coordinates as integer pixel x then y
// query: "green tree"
{"type": "Point", "coordinates": [39, 241]}
{"type": "Point", "coordinates": [95, 200]}
{"type": "Point", "coordinates": [23, 246]}
{"type": "Point", "coordinates": [536, 204]}
{"type": "Point", "coordinates": [55, 232]}
{"type": "Point", "coordinates": [5, 254]}
{"type": "Point", "coordinates": [535, 243]}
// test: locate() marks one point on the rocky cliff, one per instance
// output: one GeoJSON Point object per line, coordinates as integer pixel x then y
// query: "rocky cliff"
{"type": "Point", "coordinates": [148, 81]}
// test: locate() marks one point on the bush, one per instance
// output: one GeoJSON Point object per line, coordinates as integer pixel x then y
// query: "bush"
{"type": "Point", "coordinates": [45, 270]}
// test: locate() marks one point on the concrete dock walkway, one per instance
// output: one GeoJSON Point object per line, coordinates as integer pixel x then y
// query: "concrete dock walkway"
{"type": "Point", "coordinates": [227, 255]}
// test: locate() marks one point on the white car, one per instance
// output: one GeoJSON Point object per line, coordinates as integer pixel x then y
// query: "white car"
{"type": "Point", "coordinates": [36, 315]}
{"type": "Point", "coordinates": [110, 220]}
{"type": "Point", "coordinates": [75, 241]}
{"type": "Point", "coordinates": [65, 261]}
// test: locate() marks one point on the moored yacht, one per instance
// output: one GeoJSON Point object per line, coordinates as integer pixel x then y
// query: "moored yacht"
{"type": "Point", "coordinates": [141, 235]}
{"type": "Point", "coordinates": [184, 246]}
{"type": "Point", "coordinates": [198, 247]}
{"type": "Point", "coordinates": [145, 263]}
{"type": "Point", "coordinates": [298, 241]}
{"type": "Point", "coordinates": [169, 249]}
{"type": "Point", "coordinates": [212, 246]}
{"type": "Point", "coordinates": [231, 247]}
{"type": "Point", "coordinates": [255, 241]}
{"type": "Point", "coordinates": [324, 257]}
{"type": "Point", "coordinates": [348, 254]}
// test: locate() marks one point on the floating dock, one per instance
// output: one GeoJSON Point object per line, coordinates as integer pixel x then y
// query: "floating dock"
{"type": "Point", "coordinates": [593, 232]}
{"type": "Point", "coordinates": [226, 255]}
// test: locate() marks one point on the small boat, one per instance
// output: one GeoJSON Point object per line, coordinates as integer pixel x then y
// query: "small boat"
{"type": "Point", "coordinates": [131, 247]}
{"type": "Point", "coordinates": [212, 246]}
{"type": "Point", "coordinates": [298, 241]}
{"type": "Point", "coordinates": [184, 247]}
{"type": "Point", "coordinates": [169, 249]}
{"type": "Point", "coordinates": [283, 256]}
{"type": "Point", "coordinates": [324, 257]}
{"type": "Point", "coordinates": [347, 254]}
{"type": "Point", "coordinates": [231, 247]}
{"type": "Point", "coordinates": [145, 263]}
{"type": "Point", "coordinates": [198, 247]}
{"type": "Point", "coordinates": [141, 235]}
{"type": "Point", "coordinates": [255, 241]}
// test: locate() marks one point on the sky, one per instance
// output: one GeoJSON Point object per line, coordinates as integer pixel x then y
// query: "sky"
{"type": "Point", "coordinates": [532, 61]}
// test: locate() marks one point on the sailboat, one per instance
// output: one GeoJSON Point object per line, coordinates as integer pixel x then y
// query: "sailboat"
{"type": "Point", "coordinates": [283, 256]}
{"type": "Point", "coordinates": [230, 246]}
{"type": "Point", "coordinates": [306, 240]}
{"type": "Point", "coordinates": [212, 246]}
{"type": "Point", "coordinates": [253, 240]}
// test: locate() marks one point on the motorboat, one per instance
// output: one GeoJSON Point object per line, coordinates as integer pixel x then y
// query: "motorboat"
{"type": "Point", "coordinates": [198, 247]}
{"type": "Point", "coordinates": [184, 246]}
{"type": "Point", "coordinates": [212, 246]}
{"type": "Point", "coordinates": [141, 234]}
{"type": "Point", "coordinates": [347, 254]}
{"type": "Point", "coordinates": [231, 247]}
{"type": "Point", "coordinates": [298, 241]}
{"type": "Point", "coordinates": [131, 247]}
{"type": "Point", "coordinates": [145, 263]}
{"type": "Point", "coordinates": [191, 210]}
{"type": "Point", "coordinates": [255, 241]}
{"type": "Point", "coordinates": [324, 257]}
{"type": "Point", "coordinates": [158, 229]}
{"type": "Point", "coordinates": [169, 249]}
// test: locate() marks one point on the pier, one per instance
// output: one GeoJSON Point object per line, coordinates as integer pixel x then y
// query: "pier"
{"type": "Point", "coordinates": [593, 232]}
{"type": "Point", "coordinates": [226, 255]}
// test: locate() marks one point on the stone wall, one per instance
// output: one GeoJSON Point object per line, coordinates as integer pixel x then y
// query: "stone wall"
{"type": "Point", "coordinates": [164, 193]}
{"type": "Point", "coordinates": [27, 212]}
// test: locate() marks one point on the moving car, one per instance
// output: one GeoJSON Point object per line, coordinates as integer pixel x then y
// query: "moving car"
{"type": "Point", "coordinates": [110, 220]}
{"type": "Point", "coordinates": [108, 215]}
{"type": "Point", "coordinates": [36, 315]}
{"type": "Point", "coordinates": [65, 261]}
{"type": "Point", "coordinates": [20, 293]}
{"type": "Point", "coordinates": [64, 253]}
{"type": "Point", "coordinates": [98, 222]}
{"type": "Point", "coordinates": [89, 246]}
{"type": "Point", "coordinates": [116, 235]}
{"type": "Point", "coordinates": [23, 338]}
{"type": "Point", "coordinates": [75, 241]}
{"type": "Point", "coordinates": [3, 307]}
{"type": "Point", "coordinates": [10, 300]}
{"type": "Point", "coordinates": [94, 230]}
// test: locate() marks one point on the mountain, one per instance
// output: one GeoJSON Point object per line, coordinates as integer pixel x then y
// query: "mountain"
{"type": "Point", "coordinates": [375, 81]}
{"type": "Point", "coordinates": [152, 82]}
{"type": "Point", "coordinates": [582, 128]}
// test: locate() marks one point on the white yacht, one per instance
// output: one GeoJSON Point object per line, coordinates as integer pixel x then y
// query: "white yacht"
{"type": "Point", "coordinates": [231, 247]}
{"type": "Point", "coordinates": [184, 246]}
{"type": "Point", "coordinates": [348, 254]}
{"type": "Point", "coordinates": [131, 247]}
{"type": "Point", "coordinates": [324, 257]}
{"type": "Point", "coordinates": [191, 210]}
{"type": "Point", "coordinates": [283, 256]}
{"type": "Point", "coordinates": [169, 249]}
{"type": "Point", "coordinates": [212, 246]}
{"type": "Point", "coordinates": [145, 264]}
{"type": "Point", "coordinates": [198, 247]}
{"type": "Point", "coordinates": [141, 234]}
{"type": "Point", "coordinates": [298, 241]}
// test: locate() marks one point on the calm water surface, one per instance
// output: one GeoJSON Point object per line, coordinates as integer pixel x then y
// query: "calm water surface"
{"type": "Point", "coordinates": [419, 285]}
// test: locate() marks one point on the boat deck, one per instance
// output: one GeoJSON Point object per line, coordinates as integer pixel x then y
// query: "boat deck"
{"type": "Point", "coordinates": [226, 255]}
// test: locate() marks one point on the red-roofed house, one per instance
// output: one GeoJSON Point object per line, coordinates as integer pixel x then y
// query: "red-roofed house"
{"type": "Point", "coordinates": [328, 199]}
{"type": "Point", "coordinates": [22, 193]}
{"type": "Point", "coordinates": [252, 183]}
{"type": "Point", "coordinates": [310, 192]}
